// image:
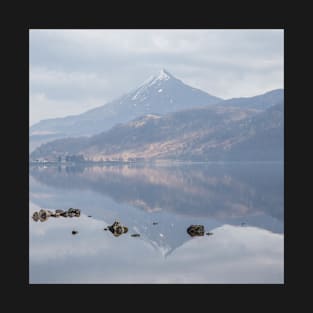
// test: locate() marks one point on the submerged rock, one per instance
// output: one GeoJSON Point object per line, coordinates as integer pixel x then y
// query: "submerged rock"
{"type": "Point", "coordinates": [155, 223]}
{"type": "Point", "coordinates": [135, 235]}
{"type": "Point", "coordinates": [35, 216]}
{"type": "Point", "coordinates": [195, 230]}
{"type": "Point", "coordinates": [117, 229]}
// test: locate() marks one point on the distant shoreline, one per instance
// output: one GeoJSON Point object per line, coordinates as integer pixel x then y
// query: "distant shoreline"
{"type": "Point", "coordinates": [154, 162]}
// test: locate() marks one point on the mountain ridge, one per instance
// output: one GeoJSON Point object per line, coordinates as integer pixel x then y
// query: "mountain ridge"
{"type": "Point", "coordinates": [200, 134]}
{"type": "Point", "coordinates": [161, 93]}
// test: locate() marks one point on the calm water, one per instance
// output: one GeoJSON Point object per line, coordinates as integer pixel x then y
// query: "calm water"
{"type": "Point", "coordinates": [241, 204]}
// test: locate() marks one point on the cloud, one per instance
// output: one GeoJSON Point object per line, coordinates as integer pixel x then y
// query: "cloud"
{"type": "Point", "coordinates": [61, 84]}
{"type": "Point", "coordinates": [41, 106]}
{"type": "Point", "coordinates": [75, 65]}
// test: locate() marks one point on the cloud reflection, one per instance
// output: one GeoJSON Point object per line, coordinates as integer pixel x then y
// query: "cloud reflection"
{"type": "Point", "coordinates": [232, 255]}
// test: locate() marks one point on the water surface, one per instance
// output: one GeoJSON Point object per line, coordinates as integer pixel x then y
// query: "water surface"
{"type": "Point", "coordinates": [240, 203]}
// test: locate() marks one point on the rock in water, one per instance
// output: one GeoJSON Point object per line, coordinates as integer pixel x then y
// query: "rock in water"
{"type": "Point", "coordinates": [64, 214]}
{"type": "Point", "coordinates": [117, 229]}
{"type": "Point", "coordinates": [77, 212]}
{"type": "Point", "coordinates": [35, 216]}
{"type": "Point", "coordinates": [195, 230]}
{"type": "Point", "coordinates": [135, 235]}
{"type": "Point", "coordinates": [43, 215]}
{"type": "Point", "coordinates": [209, 234]}
{"type": "Point", "coordinates": [74, 232]}
{"type": "Point", "coordinates": [73, 212]}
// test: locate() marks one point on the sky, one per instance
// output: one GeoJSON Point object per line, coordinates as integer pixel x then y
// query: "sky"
{"type": "Point", "coordinates": [72, 71]}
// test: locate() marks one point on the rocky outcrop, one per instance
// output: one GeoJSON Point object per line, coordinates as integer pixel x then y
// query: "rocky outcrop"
{"type": "Point", "coordinates": [43, 214]}
{"type": "Point", "coordinates": [117, 229]}
{"type": "Point", "coordinates": [195, 230]}
{"type": "Point", "coordinates": [35, 216]}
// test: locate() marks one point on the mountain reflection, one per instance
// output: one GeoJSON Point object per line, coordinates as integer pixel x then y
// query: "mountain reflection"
{"type": "Point", "coordinates": [230, 193]}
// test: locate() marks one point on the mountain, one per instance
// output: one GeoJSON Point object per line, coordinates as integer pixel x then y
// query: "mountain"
{"type": "Point", "coordinates": [160, 94]}
{"type": "Point", "coordinates": [199, 134]}
{"type": "Point", "coordinates": [260, 102]}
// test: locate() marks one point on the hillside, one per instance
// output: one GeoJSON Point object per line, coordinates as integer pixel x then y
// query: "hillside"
{"type": "Point", "coordinates": [201, 134]}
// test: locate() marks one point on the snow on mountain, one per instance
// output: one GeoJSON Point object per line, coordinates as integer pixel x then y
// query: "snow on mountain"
{"type": "Point", "coordinates": [160, 94]}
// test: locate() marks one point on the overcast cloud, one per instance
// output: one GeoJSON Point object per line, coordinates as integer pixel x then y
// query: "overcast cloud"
{"type": "Point", "coordinates": [72, 71]}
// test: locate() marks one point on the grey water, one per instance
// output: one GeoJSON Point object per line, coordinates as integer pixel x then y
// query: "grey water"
{"type": "Point", "coordinates": [242, 204]}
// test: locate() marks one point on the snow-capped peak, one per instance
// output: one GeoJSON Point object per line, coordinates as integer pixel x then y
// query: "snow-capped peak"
{"type": "Point", "coordinates": [163, 75]}
{"type": "Point", "coordinates": [156, 80]}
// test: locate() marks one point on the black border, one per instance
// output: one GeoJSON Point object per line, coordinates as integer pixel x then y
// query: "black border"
{"type": "Point", "coordinates": [17, 82]}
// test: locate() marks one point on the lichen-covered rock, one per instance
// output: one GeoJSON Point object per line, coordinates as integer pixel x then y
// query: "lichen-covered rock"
{"type": "Point", "coordinates": [64, 214]}
{"type": "Point", "coordinates": [35, 216]}
{"type": "Point", "coordinates": [195, 230]}
{"type": "Point", "coordinates": [77, 212]}
{"type": "Point", "coordinates": [43, 215]}
{"type": "Point", "coordinates": [117, 229]}
{"type": "Point", "coordinates": [73, 212]}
